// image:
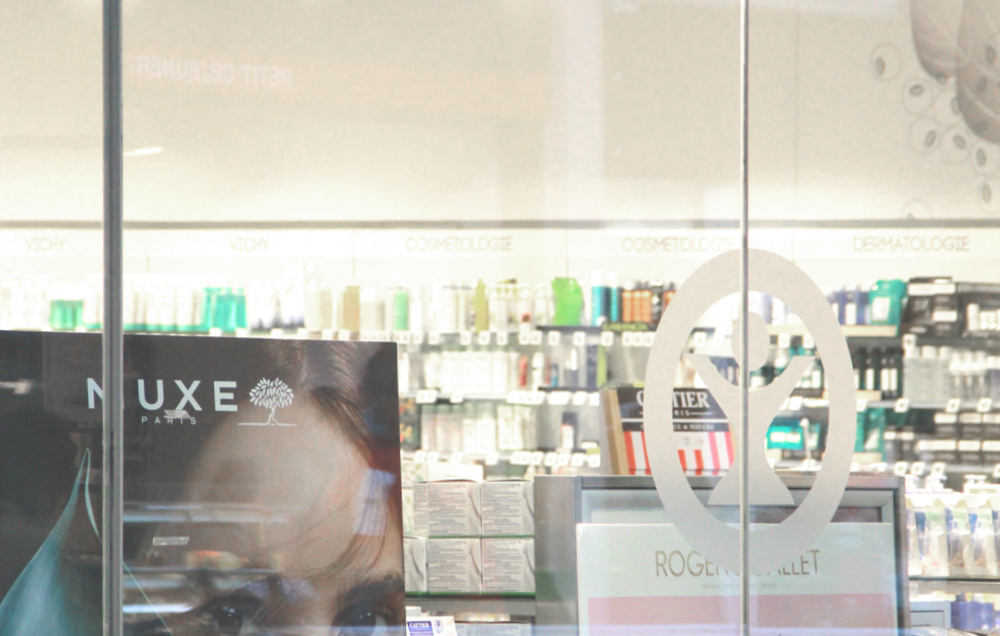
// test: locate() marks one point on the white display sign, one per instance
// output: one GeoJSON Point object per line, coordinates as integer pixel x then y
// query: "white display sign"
{"type": "Point", "coordinates": [646, 579]}
{"type": "Point", "coordinates": [779, 277]}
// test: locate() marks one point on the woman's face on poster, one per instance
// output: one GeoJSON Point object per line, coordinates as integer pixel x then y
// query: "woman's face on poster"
{"type": "Point", "coordinates": [318, 529]}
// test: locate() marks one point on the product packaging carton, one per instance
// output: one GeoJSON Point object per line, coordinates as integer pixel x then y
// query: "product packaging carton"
{"type": "Point", "coordinates": [504, 629]}
{"type": "Point", "coordinates": [508, 508]}
{"type": "Point", "coordinates": [508, 566]}
{"type": "Point", "coordinates": [421, 492]}
{"type": "Point", "coordinates": [407, 512]}
{"type": "Point", "coordinates": [431, 626]}
{"type": "Point", "coordinates": [415, 564]}
{"type": "Point", "coordinates": [454, 509]}
{"type": "Point", "coordinates": [454, 565]}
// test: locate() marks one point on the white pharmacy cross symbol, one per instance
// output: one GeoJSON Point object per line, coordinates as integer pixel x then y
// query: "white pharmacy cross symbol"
{"type": "Point", "coordinates": [771, 546]}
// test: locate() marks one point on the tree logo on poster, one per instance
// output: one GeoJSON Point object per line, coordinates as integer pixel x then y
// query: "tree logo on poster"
{"type": "Point", "coordinates": [773, 545]}
{"type": "Point", "coordinates": [270, 394]}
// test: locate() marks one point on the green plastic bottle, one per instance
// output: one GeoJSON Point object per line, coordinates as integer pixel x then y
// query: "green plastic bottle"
{"type": "Point", "coordinates": [568, 301]}
{"type": "Point", "coordinates": [886, 301]}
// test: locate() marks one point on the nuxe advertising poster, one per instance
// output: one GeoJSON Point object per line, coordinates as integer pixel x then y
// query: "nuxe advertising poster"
{"type": "Point", "coordinates": [261, 493]}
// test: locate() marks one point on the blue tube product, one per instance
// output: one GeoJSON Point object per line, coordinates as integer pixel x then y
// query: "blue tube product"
{"type": "Point", "coordinates": [614, 299]}
{"type": "Point", "coordinates": [598, 300]}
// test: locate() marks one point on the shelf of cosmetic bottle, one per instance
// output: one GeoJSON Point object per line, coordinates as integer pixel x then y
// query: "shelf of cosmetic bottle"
{"type": "Point", "coordinates": [510, 604]}
{"type": "Point", "coordinates": [553, 396]}
{"type": "Point", "coordinates": [538, 458]}
{"type": "Point", "coordinates": [956, 584]}
{"type": "Point", "coordinates": [849, 331]}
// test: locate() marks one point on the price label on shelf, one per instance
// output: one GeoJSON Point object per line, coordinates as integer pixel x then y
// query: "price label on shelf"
{"type": "Point", "coordinates": [628, 339]}
{"type": "Point", "coordinates": [434, 338]}
{"type": "Point", "coordinates": [578, 460]}
{"type": "Point", "coordinates": [996, 471]}
{"type": "Point", "coordinates": [563, 459]}
{"type": "Point", "coordinates": [900, 469]}
{"type": "Point", "coordinates": [302, 333]}
{"type": "Point", "coordinates": [502, 338]}
{"type": "Point", "coordinates": [554, 338]}
{"type": "Point", "coordinates": [975, 480]}
{"type": "Point", "coordinates": [326, 334]}
{"type": "Point", "coordinates": [465, 338]}
{"type": "Point", "coordinates": [275, 333]}
{"type": "Point", "coordinates": [536, 338]}
{"type": "Point", "coordinates": [909, 341]}
{"type": "Point", "coordinates": [550, 459]}
{"type": "Point", "coordinates": [456, 398]}
{"type": "Point", "coordinates": [579, 398]}
{"type": "Point", "coordinates": [215, 332]}
{"type": "Point", "coordinates": [579, 339]}
{"type": "Point", "coordinates": [343, 334]}
{"type": "Point", "coordinates": [537, 457]}
{"type": "Point", "coordinates": [524, 338]}
{"type": "Point", "coordinates": [594, 461]}
{"type": "Point", "coordinates": [383, 336]}
{"type": "Point", "coordinates": [880, 467]}
{"type": "Point", "coordinates": [417, 337]}
{"type": "Point", "coordinates": [535, 398]}
{"type": "Point", "coordinates": [607, 338]}
{"type": "Point", "coordinates": [559, 398]}
{"type": "Point", "coordinates": [808, 342]}
{"type": "Point", "coordinates": [456, 457]}
{"type": "Point", "coordinates": [404, 337]}
{"type": "Point", "coordinates": [483, 338]}
{"type": "Point", "coordinates": [918, 469]}
{"type": "Point", "coordinates": [242, 332]}
{"type": "Point", "coordinates": [420, 457]}
{"type": "Point", "coordinates": [902, 405]}
{"type": "Point", "coordinates": [594, 399]}
{"type": "Point", "coordinates": [985, 405]}
{"type": "Point", "coordinates": [427, 396]}
{"type": "Point", "coordinates": [520, 458]}
{"type": "Point", "coordinates": [953, 405]}
{"type": "Point", "coordinates": [862, 405]}
{"type": "Point", "coordinates": [938, 469]}
{"type": "Point", "coordinates": [647, 338]}
{"type": "Point", "coordinates": [433, 457]}
{"type": "Point", "coordinates": [784, 340]}
{"type": "Point", "coordinates": [492, 458]}
{"type": "Point", "coordinates": [367, 335]}
{"type": "Point", "coordinates": [855, 467]}
{"type": "Point", "coordinates": [795, 403]}
{"type": "Point", "coordinates": [516, 397]}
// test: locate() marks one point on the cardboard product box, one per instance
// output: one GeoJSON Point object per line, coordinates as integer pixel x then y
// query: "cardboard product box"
{"type": "Point", "coordinates": [509, 566]}
{"type": "Point", "coordinates": [991, 426]}
{"type": "Point", "coordinates": [467, 629]}
{"type": "Point", "coordinates": [991, 451]}
{"type": "Point", "coordinates": [504, 629]}
{"type": "Point", "coordinates": [421, 505]}
{"type": "Point", "coordinates": [970, 451]}
{"type": "Point", "coordinates": [454, 565]}
{"type": "Point", "coordinates": [508, 508]}
{"type": "Point", "coordinates": [431, 626]}
{"type": "Point", "coordinates": [946, 426]}
{"type": "Point", "coordinates": [415, 564]}
{"type": "Point", "coordinates": [454, 509]}
{"type": "Point", "coordinates": [407, 511]}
